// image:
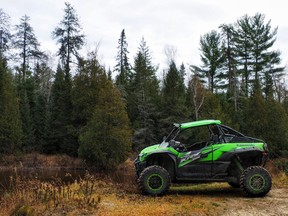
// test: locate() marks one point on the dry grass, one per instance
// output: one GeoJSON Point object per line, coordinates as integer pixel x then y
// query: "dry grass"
{"type": "Point", "coordinates": [104, 195]}
{"type": "Point", "coordinates": [35, 160]}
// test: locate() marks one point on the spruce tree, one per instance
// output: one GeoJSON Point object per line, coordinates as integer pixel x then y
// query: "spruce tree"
{"type": "Point", "coordinates": [143, 106]}
{"type": "Point", "coordinates": [10, 123]}
{"type": "Point", "coordinates": [62, 136]}
{"type": "Point", "coordinates": [122, 67]}
{"type": "Point", "coordinates": [174, 95]}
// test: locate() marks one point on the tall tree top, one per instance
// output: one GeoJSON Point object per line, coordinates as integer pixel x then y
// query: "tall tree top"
{"type": "Point", "coordinates": [70, 37]}
{"type": "Point", "coordinates": [4, 31]}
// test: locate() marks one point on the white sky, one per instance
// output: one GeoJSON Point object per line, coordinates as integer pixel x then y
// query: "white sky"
{"type": "Point", "coordinates": [177, 23]}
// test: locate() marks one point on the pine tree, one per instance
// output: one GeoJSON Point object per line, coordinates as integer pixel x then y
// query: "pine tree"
{"type": "Point", "coordinates": [106, 141]}
{"type": "Point", "coordinates": [230, 71]}
{"type": "Point", "coordinates": [10, 123]}
{"type": "Point", "coordinates": [122, 67]}
{"type": "Point", "coordinates": [27, 44]}
{"type": "Point", "coordinates": [212, 59]}
{"type": "Point", "coordinates": [254, 40]}
{"type": "Point", "coordinates": [143, 105]}
{"type": "Point", "coordinates": [69, 36]}
{"type": "Point", "coordinates": [5, 35]}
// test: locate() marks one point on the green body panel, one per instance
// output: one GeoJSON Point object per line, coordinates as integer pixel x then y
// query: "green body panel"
{"type": "Point", "coordinates": [228, 147]}
{"type": "Point", "coordinates": [156, 149]}
{"type": "Point", "coordinates": [214, 152]}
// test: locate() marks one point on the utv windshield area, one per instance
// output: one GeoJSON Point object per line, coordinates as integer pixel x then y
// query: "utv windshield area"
{"type": "Point", "coordinates": [200, 136]}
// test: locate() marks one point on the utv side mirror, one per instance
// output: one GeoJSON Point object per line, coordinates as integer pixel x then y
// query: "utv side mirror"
{"type": "Point", "coordinates": [164, 138]}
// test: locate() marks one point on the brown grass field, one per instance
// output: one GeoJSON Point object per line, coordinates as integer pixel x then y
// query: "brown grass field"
{"type": "Point", "coordinates": [104, 195]}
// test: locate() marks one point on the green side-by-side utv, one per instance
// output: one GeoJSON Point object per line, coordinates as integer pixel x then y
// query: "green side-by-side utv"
{"type": "Point", "coordinates": [204, 151]}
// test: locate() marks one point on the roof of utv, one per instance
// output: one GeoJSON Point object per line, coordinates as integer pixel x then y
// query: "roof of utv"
{"type": "Point", "coordinates": [197, 123]}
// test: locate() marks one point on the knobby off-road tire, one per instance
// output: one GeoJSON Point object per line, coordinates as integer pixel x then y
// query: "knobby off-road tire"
{"type": "Point", "coordinates": [154, 180]}
{"type": "Point", "coordinates": [255, 181]}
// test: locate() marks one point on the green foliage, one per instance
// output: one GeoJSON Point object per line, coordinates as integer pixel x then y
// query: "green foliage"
{"type": "Point", "coordinates": [276, 134]}
{"type": "Point", "coordinates": [239, 82]}
{"type": "Point", "coordinates": [62, 136]}
{"type": "Point", "coordinates": [27, 44]}
{"type": "Point", "coordinates": [173, 107]}
{"type": "Point", "coordinates": [69, 36]}
{"type": "Point", "coordinates": [106, 141]}
{"type": "Point", "coordinates": [212, 59]}
{"type": "Point", "coordinates": [5, 35]}
{"type": "Point", "coordinates": [122, 67]}
{"type": "Point", "coordinates": [174, 94]}
{"type": "Point", "coordinates": [10, 123]}
{"type": "Point", "coordinates": [85, 93]}
{"type": "Point", "coordinates": [144, 99]}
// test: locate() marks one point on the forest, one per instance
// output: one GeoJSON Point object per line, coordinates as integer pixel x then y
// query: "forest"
{"type": "Point", "coordinates": [102, 115]}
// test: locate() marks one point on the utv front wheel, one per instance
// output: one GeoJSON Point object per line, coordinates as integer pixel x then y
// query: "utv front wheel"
{"type": "Point", "coordinates": [154, 180]}
{"type": "Point", "coordinates": [255, 181]}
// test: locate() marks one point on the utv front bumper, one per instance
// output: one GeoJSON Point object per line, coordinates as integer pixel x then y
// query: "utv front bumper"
{"type": "Point", "coordinates": [139, 166]}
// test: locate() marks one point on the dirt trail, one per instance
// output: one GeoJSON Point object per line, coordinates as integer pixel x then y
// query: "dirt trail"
{"type": "Point", "coordinates": [275, 203]}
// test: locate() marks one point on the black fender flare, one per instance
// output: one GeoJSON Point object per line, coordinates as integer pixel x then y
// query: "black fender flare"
{"type": "Point", "coordinates": [169, 154]}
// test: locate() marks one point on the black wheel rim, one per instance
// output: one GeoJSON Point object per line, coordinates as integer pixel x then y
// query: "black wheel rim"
{"type": "Point", "coordinates": [257, 182]}
{"type": "Point", "coordinates": [155, 182]}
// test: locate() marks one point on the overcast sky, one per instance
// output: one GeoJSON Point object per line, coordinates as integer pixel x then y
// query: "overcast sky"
{"type": "Point", "coordinates": [177, 23]}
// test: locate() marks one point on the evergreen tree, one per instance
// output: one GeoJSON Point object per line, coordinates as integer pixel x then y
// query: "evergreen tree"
{"type": "Point", "coordinates": [212, 59]}
{"type": "Point", "coordinates": [5, 35]}
{"type": "Point", "coordinates": [143, 106]}
{"type": "Point", "coordinates": [27, 44]}
{"type": "Point", "coordinates": [243, 46]}
{"type": "Point", "coordinates": [62, 136]}
{"type": "Point", "coordinates": [69, 36]}
{"type": "Point", "coordinates": [87, 85]}
{"type": "Point", "coordinates": [106, 142]}
{"type": "Point", "coordinates": [10, 123]}
{"type": "Point", "coordinates": [174, 95]}
{"type": "Point", "coordinates": [276, 133]}
{"type": "Point", "coordinates": [230, 71]}
{"type": "Point", "coordinates": [123, 67]}
{"type": "Point", "coordinates": [254, 40]}
{"type": "Point", "coordinates": [42, 78]}
{"type": "Point", "coordinates": [256, 116]}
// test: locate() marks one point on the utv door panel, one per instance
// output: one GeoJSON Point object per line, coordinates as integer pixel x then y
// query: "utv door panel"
{"type": "Point", "coordinates": [196, 164]}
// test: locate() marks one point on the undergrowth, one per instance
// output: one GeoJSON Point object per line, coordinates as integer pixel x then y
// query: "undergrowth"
{"type": "Point", "coordinates": [102, 195]}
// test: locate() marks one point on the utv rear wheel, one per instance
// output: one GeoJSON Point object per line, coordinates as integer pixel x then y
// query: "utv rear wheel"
{"type": "Point", "coordinates": [255, 181]}
{"type": "Point", "coordinates": [154, 180]}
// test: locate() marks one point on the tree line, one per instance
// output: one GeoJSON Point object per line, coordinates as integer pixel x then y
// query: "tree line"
{"type": "Point", "coordinates": [90, 114]}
